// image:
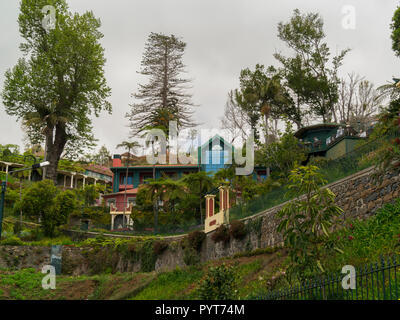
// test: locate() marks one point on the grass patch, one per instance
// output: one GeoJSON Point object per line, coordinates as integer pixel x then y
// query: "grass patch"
{"type": "Point", "coordinates": [172, 285]}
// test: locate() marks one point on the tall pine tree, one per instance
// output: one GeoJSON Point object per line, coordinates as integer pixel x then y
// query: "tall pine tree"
{"type": "Point", "coordinates": [165, 97]}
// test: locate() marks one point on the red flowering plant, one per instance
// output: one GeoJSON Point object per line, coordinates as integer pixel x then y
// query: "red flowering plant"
{"type": "Point", "coordinates": [367, 240]}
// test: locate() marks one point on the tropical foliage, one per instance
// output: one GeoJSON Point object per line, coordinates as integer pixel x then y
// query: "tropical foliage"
{"type": "Point", "coordinates": [307, 221]}
{"type": "Point", "coordinates": [44, 202]}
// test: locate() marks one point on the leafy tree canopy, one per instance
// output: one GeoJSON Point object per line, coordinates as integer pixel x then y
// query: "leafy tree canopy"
{"type": "Point", "coordinates": [59, 82]}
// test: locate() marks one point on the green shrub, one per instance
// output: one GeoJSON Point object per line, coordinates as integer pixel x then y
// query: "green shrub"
{"type": "Point", "coordinates": [44, 200]}
{"type": "Point", "coordinates": [221, 283]}
{"type": "Point", "coordinates": [17, 227]}
{"type": "Point", "coordinates": [195, 239]}
{"type": "Point", "coordinates": [238, 229]}
{"type": "Point", "coordinates": [34, 235]}
{"type": "Point", "coordinates": [147, 257]}
{"type": "Point", "coordinates": [174, 246]}
{"type": "Point", "coordinates": [256, 252]}
{"type": "Point", "coordinates": [191, 256]}
{"type": "Point", "coordinates": [221, 234]}
{"type": "Point", "coordinates": [12, 241]}
{"type": "Point", "coordinates": [368, 240]}
{"type": "Point", "coordinates": [102, 260]}
{"type": "Point", "coordinates": [306, 223]}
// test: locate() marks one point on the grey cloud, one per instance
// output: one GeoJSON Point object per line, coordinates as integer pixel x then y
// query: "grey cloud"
{"type": "Point", "coordinates": [222, 37]}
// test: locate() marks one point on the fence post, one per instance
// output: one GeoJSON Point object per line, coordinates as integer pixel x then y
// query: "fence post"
{"type": "Point", "coordinates": [372, 282]}
{"type": "Point", "coordinates": [395, 275]}
{"type": "Point", "coordinates": [377, 280]}
{"type": "Point", "coordinates": [389, 277]}
{"type": "Point", "coordinates": [366, 279]}
{"type": "Point", "coordinates": [383, 277]}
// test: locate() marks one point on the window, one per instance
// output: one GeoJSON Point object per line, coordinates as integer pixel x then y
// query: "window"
{"type": "Point", "coordinates": [146, 177]}
{"type": "Point", "coordinates": [263, 177]}
{"type": "Point", "coordinates": [130, 180]}
{"type": "Point", "coordinates": [110, 201]}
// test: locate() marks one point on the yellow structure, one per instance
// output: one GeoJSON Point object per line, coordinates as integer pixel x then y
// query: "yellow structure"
{"type": "Point", "coordinates": [214, 220]}
{"type": "Point", "coordinates": [120, 219]}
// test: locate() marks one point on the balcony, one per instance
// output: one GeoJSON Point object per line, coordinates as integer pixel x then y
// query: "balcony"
{"type": "Point", "coordinates": [128, 187]}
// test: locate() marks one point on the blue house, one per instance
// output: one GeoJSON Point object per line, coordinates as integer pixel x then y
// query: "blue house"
{"type": "Point", "coordinates": [213, 155]}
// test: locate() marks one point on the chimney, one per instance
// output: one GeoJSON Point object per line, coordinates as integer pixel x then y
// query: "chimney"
{"type": "Point", "coordinates": [117, 162]}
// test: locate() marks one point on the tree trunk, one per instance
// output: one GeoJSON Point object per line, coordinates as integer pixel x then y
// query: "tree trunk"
{"type": "Point", "coordinates": [266, 116]}
{"type": "Point", "coordinates": [55, 148]}
{"type": "Point", "coordinates": [201, 209]}
{"type": "Point", "coordinates": [201, 202]}
{"type": "Point", "coordinates": [155, 206]}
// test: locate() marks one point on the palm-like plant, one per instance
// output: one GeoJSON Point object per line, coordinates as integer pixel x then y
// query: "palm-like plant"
{"type": "Point", "coordinates": [173, 191]}
{"type": "Point", "coordinates": [130, 146]}
{"type": "Point", "coordinates": [198, 183]}
{"type": "Point", "coordinates": [155, 189]}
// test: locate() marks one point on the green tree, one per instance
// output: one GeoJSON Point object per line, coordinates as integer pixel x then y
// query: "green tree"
{"type": "Point", "coordinates": [220, 283]}
{"type": "Point", "coordinates": [262, 96]}
{"type": "Point", "coordinates": [154, 189]}
{"type": "Point", "coordinates": [143, 211]}
{"type": "Point", "coordinates": [198, 183]}
{"type": "Point", "coordinates": [395, 26]}
{"type": "Point", "coordinates": [44, 201]}
{"type": "Point", "coordinates": [164, 98]}
{"type": "Point", "coordinates": [247, 186]}
{"type": "Point", "coordinates": [59, 83]}
{"type": "Point", "coordinates": [103, 156]}
{"type": "Point", "coordinates": [88, 194]}
{"type": "Point", "coordinates": [172, 196]}
{"type": "Point", "coordinates": [64, 204]}
{"type": "Point", "coordinates": [8, 149]}
{"type": "Point", "coordinates": [312, 83]}
{"type": "Point", "coordinates": [387, 156]}
{"type": "Point", "coordinates": [284, 154]}
{"type": "Point", "coordinates": [307, 221]}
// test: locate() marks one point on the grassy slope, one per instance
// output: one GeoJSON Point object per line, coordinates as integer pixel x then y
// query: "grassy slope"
{"type": "Point", "coordinates": [177, 284]}
{"type": "Point", "coordinates": [361, 242]}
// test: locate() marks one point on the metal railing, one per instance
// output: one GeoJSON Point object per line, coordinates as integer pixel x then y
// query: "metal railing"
{"type": "Point", "coordinates": [377, 281]}
{"type": "Point", "coordinates": [332, 170]}
{"type": "Point", "coordinates": [136, 223]}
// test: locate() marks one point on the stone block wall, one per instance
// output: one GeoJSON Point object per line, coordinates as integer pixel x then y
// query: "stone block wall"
{"type": "Point", "coordinates": [21, 257]}
{"type": "Point", "coordinates": [358, 195]}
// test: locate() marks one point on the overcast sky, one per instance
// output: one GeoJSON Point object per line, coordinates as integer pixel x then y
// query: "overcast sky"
{"type": "Point", "coordinates": [222, 36]}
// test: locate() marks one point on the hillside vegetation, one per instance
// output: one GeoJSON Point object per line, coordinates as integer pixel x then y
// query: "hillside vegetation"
{"type": "Point", "coordinates": [256, 272]}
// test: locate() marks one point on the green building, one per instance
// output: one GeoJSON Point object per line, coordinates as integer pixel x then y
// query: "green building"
{"type": "Point", "coordinates": [329, 140]}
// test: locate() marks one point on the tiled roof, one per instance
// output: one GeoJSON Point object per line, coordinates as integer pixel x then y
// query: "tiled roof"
{"type": "Point", "coordinates": [99, 169]}
{"type": "Point", "coordinates": [129, 191]}
{"type": "Point", "coordinates": [166, 165]}
{"type": "Point", "coordinates": [150, 166]}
